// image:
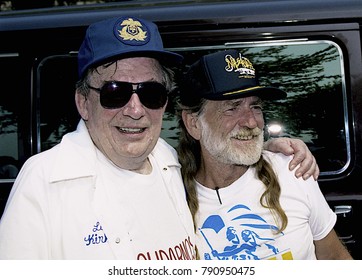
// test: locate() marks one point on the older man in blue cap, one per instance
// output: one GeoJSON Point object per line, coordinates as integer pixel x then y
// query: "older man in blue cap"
{"type": "Point", "coordinates": [112, 189]}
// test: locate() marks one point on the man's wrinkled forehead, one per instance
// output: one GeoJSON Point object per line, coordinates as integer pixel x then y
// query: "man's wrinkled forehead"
{"type": "Point", "coordinates": [128, 66]}
{"type": "Point", "coordinates": [236, 102]}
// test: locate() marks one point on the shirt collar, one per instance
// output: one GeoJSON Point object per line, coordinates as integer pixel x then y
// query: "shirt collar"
{"type": "Point", "coordinates": [77, 155]}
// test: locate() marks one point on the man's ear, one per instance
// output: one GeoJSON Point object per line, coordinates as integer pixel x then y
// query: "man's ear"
{"type": "Point", "coordinates": [192, 124]}
{"type": "Point", "coordinates": [81, 102]}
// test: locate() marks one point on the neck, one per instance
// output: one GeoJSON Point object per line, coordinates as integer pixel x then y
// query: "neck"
{"type": "Point", "coordinates": [143, 167]}
{"type": "Point", "coordinates": [213, 174]}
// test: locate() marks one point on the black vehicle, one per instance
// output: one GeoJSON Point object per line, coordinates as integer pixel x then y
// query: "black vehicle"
{"type": "Point", "coordinates": [311, 49]}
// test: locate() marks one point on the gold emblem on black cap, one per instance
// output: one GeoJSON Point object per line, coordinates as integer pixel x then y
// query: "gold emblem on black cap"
{"type": "Point", "coordinates": [240, 64]}
{"type": "Point", "coordinates": [132, 30]}
{"type": "Point", "coordinates": [245, 68]}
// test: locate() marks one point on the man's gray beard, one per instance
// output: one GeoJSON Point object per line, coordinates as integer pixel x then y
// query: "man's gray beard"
{"type": "Point", "coordinates": [223, 150]}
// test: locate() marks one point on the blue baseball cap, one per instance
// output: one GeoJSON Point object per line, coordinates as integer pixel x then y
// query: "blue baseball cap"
{"type": "Point", "coordinates": [119, 38]}
{"type": "Point", "coordinates": [224, 75]}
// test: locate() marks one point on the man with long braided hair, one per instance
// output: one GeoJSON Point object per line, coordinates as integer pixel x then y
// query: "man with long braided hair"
{"type": "Point", "coordinates": [246, 202]}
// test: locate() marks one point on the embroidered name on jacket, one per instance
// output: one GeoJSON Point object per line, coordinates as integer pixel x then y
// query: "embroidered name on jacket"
{"type": "Point", "coordinates": [97, 236]}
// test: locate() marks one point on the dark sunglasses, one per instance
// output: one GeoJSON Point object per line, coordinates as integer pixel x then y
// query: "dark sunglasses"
{"type": "Point", "coordinates": [116, 94]}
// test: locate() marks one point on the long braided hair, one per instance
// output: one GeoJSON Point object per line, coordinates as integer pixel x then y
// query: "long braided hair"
{"type": "Point", "coordinates": [189, 153]}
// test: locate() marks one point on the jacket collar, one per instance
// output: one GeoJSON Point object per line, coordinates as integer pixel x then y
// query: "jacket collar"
{"type": "Point", "coordinates": [77, 158]}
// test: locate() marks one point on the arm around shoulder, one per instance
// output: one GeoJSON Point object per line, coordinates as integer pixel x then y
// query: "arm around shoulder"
{"type": "Point", "coordinates": [302, 156]}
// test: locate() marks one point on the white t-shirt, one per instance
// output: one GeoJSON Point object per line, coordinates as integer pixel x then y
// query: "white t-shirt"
{"type": "Point", "coordinates": [241, 229]}
{"type": "Point", "coordinates": [145, 217]}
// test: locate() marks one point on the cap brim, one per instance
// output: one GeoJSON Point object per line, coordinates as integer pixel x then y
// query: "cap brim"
{"type": "Point", "coordinates": [165, 57]}
{"type": "Point", "coordinates": [266, 93]}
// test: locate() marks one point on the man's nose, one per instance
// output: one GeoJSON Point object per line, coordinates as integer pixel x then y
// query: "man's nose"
{"type": "Point", "coordinates": [134, 107]}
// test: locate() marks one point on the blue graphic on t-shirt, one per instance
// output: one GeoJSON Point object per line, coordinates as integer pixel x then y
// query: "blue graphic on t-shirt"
{"type": "Point", "coordinates": [243, 241]}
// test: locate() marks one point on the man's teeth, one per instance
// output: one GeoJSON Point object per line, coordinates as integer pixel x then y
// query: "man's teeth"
{"type": "Point", "coordinates": [240, 137]}
{"type": "Point", "coordinates": [131, 130]}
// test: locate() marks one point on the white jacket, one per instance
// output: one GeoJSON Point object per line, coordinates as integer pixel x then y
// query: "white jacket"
{"type": "Point", "coordinates": [59, 208]}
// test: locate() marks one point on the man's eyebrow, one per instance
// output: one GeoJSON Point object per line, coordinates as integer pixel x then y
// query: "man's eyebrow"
{"type": "Point", "coordinates": [258, 101]}
{"type": "Point", "coordinates": [233, 102]}
{"type": "Point", "coordinates": [237, 102]}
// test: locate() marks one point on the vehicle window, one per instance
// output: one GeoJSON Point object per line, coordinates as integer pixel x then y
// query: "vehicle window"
{"type": "Point", "coordinates": [315, 110]}
{"type": "Point", "coordinates": [14, 116]}
{"type": "Point", "coordinates": [311, 72]}
{"type": "Point", "coordinates": [57, 113]}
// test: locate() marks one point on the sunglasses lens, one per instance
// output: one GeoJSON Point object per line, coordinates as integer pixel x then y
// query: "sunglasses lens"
{"type": "Point", "coordinates": [115, 95]}
{"type": "Point", "coordinates": [153, 95]}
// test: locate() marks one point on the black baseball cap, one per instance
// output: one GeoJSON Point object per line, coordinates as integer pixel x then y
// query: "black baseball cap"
{"type": "Point", "coordinates": [224, 75]}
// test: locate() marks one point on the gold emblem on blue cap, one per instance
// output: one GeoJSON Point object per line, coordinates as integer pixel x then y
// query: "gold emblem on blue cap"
{"type": "Point", "coordinates": [240, 64]}
{"type": "Point", "coordinates": [132, 30]}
